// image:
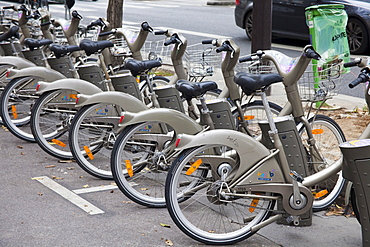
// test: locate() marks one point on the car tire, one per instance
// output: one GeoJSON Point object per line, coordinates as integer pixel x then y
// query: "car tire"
{"type": "Point", "coordinates": [358, 39]}
{"type": "Point", "coordinates": [248, 24]}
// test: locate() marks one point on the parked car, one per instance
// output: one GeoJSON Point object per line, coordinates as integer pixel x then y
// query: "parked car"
{"type": "Point", "coordinates": [289, 21]}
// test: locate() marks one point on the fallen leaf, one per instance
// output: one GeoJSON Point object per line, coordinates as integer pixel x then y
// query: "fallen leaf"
{"type": "Point", "coordinates": [38, 178]}
{"type": "Point", "coordinates": [54, 177]}
{"type": "Point", "coordinates": [144, 189]}
{"type": "Point", "coordinates": [19, 146]}
{"type": "Point", "coordinates": [81, 176]}
{"type": "Point", "coordinates": [168, 242]}
{"type": "Point", "coordinates": [22, 153]}
{"type": "Point", "coordinates": [70, 168]}
{"type": "Point", "coordinates": [165, 225]}
{"type": "Point", "coordinates": [86, 186]}
{"type": "Point", "coordinates": [127, 201]}
{"type": "Point", "coordinates": [66, 161]}
{"type": "Point", "coordinates": [113, 184]}
{"type": "Point", "coordinates": [40, 194]}
{"type": "Point", "coordinates": [51, 166]}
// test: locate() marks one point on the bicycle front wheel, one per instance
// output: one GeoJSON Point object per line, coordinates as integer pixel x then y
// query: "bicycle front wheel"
{"type": "Point", "coordinates": [328, 135]}
{"type": "Point", "coordinates": [197, 202]}
{"type": "Point", "coordinates": [93, 132]}
{"type": "Point", "coordinates": [17, 100]}
{"type": "Point", "coordinates": [50, 120]}
{"type": "Point", "coordinates": [146, 150]}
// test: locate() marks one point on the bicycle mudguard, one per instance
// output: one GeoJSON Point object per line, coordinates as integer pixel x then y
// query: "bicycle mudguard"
{"type": "Point", "coordinates": [78, 85]}
{"type": "Point", "coordinates": [16, 62]}
{"type": "Point", "coordinates": [125, 101]}
{"type": "Point", "coordinates": [45, 74]}
{"type": "Point", "coordinates": [181, 122]}
{"type": "Point", "coordinates": [253, 155]}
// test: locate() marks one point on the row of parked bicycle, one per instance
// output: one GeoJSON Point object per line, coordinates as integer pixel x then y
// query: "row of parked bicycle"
{"type": "Point", "coordinates": [180, 142]}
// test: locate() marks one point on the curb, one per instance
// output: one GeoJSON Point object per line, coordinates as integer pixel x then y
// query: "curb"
{"type": "Point", "coordinates": [221, 2]}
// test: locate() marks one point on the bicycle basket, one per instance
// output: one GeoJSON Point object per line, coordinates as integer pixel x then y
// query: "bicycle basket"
{"type": "Point", "coordinates": [256, 67]}
{"type": "Point", "coordinates": [320, 82]}
{"type": "Point", "coordinates": [201, 60]}
{"type": "Point", "coordinates": [155, 49]}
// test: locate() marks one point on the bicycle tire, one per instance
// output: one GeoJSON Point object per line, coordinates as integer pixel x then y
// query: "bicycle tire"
{"type": "Point", "coordinates": [355, 205]}
{"type": "Point", "coordinates": [328, 135]}
{"type": "Point", "coordinates": [50, 121]}
{"type": "Point", "coordinates": [91, 137]}
{"type": "Point", "coordinates": [206, 215]}
{"type": "Point", "coordinates": [16, 102]}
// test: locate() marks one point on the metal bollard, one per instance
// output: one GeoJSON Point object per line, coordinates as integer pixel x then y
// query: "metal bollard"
{"type": "Point", "coordinates": [356, 168]}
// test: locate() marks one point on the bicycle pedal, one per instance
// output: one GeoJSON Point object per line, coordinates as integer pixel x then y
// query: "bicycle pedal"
{"type": "Point", "coordinates": [295, 176]}
{"type": "Point", "coordinates": [294, 219]}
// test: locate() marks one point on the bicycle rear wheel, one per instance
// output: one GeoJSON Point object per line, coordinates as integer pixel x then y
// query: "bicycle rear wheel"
{"type": "Point", "coordinates": [50, 120]}
{"type": "Point", "coordinates": [328, 135]}
{"type": "Point", "coordinates": [208, 215]}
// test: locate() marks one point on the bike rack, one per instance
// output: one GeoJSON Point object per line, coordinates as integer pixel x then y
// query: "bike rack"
{"type": "Point", "coordinates": [356, 168]}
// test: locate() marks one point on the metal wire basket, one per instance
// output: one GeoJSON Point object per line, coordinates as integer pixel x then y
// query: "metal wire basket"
{"type": "Point", "coordinates": [201, 60]}
{"type": "Point", "coordinates": [157, 50]}
{"type": "Point", "coordinates": [318, 82]}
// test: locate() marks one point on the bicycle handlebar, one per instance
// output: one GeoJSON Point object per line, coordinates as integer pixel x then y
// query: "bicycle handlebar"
{"type": "Point", "coordinates": [353, 63]}
{"type": "Point", "coordinates": [10, 7]}
{"type": "Point", "coordinates": [362, 77]}
{"type": "Point", "coordinates": [311, 53]}
{"type": "Point", "coordinates": [107, 33]}
{"type": "Point", "coordinates": [75, 14]}
{"type": "Point", "coordinates": [160, 32]}
{"type": "Point", "coordinates": [173, 40]}
{"type": "Point", "coordinates": [98, 22]}
{"type": "Point", "coordinates": [225, 47]}
{"type": "Point", "coordinates": [208, 42]}
{"type": "Point", "coordinates": [146, 27]}
{"type": "Point", "coordinates": [252, 57]}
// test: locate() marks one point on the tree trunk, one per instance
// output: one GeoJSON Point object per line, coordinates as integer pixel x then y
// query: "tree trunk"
{"type": "Point", "coordinates": [115, 13]}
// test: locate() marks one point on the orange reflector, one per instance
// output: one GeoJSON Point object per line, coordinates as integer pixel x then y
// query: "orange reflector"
{"type": "Point", "coordinates": [317, 131]}
{"type": "Point", "coordinates": [73, 96]}
{"type": "Point", "coordinates": [14, 112]}
{"type": "Point", "coordinates": [130, 172]}
{"type": "Point", "coordinates": [88, 152]}
{"type": "Point", "coordinates": [254, 204]}
{"type": "Point", "coordinates": [321, 193]}
{"type": "Point", "coordinates": [249, 117]}
{"type": "Point", "coordinates": [138, 79]}
{"type": "Point", "coordinates": [59, 143]}
{"type": "Point", "coordinates": [194, 166]}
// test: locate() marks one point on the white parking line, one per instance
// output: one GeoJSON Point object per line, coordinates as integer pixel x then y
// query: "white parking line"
{"type": "Point", "coordinates": [69, 195]}
{"type": "Point", "coordinates": [95, 189]}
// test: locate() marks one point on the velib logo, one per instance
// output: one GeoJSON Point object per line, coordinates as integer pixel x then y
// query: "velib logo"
{"type": "Point", "coordinates": [267, 176]}
{"type": "Point", "coordinates": [101, 111]}
{"type": "Point", "coordinates": [339, 36]}
{"type": "Point", "coordinates": [67, 98]}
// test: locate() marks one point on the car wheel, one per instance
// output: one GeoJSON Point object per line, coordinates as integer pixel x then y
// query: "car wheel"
{"type": "Point", "coordinates": [357, 33]}
{"type": "Point", "coordinates": [248, 24]}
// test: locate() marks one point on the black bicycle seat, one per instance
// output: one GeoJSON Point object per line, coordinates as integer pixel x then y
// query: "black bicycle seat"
{"type": "Point", "coordinates": [137, 67]}
{"type": "Point", "coordinates": [91, 47]}
{"type": "Point", "coordinates": [62, 50]}
{"type": "Point", "coordinates": [250, 83]}
{"type": "Point", "coordinates": [12, 32]}
{"type": "Point", "coordinates": [191, 90]}
{"type": "Point", "coordinates": [35, 43]}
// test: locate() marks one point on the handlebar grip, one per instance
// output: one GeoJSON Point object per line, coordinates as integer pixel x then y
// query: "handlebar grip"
{"type": "Point", "coordinates": [10, 7]}
{"type": "Point", "coordinates": [246, 59]}
{"type": "Point", "coordinates": [352, 63]}
{"type": "Point", "coordinates": [310, 53]}
{"type": "Point", "coordinates": [45, 23]}
{"type": "Point", "coordinates": [75, 14]}
{"type": "Point", "coordinates": [160, 32]}
{"type": "Point", "coordinates": [355, 82]}
{"type": "Point", "coordinates": [107, 33]}
{"type": "Point", "coordinates": [94, 23]}
{"type": "Point", "coordinates": [146, 27]}
{"type": "Point", "coordinates": [208, 41]}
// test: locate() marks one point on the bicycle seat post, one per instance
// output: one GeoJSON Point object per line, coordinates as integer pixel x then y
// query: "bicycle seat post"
{"type": "Point", "coordinates": [206, 112]}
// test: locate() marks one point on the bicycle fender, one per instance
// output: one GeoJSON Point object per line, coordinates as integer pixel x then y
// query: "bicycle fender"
{"type": "Point", "coordinates": [45, 74]}
{"type": "Point", "coordinates": [181, 122]}
{"type": "Point", "coordinates": [125, 101]}
{"type": "Point", "coordinates": [78, 85]}
{"type": "Point", "coordinates": [17, 62]}
{"type": "Point", "coordinates": [250, 151]}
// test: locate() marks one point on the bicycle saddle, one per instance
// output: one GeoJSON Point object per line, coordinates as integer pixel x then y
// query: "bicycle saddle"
{"type": "Point", "coordinates": [12, 32]}
{"type": "Point", "coordinates": [253, 82]}
{"type": "Point", "coordinates": [62, 50]}
{"type": "Point", "coordinates": [35, 43]}
{"type": "Point", "coordinates": [137, 67]}
{"type": "Point", "coordinates": [191, 90]}
{"type": "Point", "coordinates": [91, 47]}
